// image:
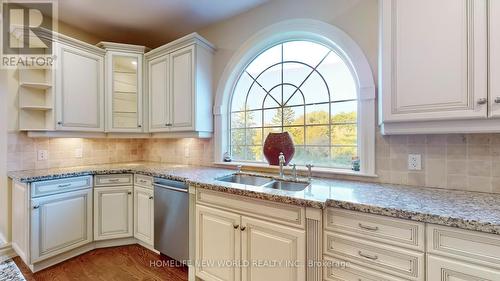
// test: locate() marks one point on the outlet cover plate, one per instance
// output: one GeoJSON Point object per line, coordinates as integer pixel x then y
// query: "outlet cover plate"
{"type": "Point", "coordinates": [42, 155]}
{"type": "Point", "coordinates": [414, 162]}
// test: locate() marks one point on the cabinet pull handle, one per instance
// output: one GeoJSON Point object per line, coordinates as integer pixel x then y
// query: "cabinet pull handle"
{"type": "Point", "coordinates": [236, 226]}
{"type": "Point", "coordinates": [243, 228]}
{"type": "Point", "coordinates": [129, 193]}
{"type": "Point", "coordinates": [64, 185]}
{"type": "Point", "coordinates": [482, 101]}
{"type": "Point", "coordinates": [139, 126]}
{"type": "Point", "coordinates": [113, 180]}
{"type": "Point", "coordinates": [150, 197]}
{"type": "Point", "coordinates": [36, 207]}
{"type": "Point", "coordinates": [374, 257]}
{"type": "Point", "coordinates": [367, 227]}
{"type": "Point", "coordinates": [142, 181]}
{"type": "Point", "coordinates": [168, 124]}
{"type": "Point", "coordinates": [497, 100]}
{"type": "Point", "coordinates": [59, 123]}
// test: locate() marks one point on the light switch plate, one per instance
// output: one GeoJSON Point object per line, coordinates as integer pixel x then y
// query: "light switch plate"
{"type": "Point", "coordinates": [414, 162]}
{"type": "Point", "coordinates": [42, 155]}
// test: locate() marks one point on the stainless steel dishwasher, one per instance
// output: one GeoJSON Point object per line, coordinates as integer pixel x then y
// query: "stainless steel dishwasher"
{"type": "Point", "coordinates": [171, 203]}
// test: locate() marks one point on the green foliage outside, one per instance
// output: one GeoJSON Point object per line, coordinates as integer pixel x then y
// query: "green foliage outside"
{"type": "Point", "coordinates": [328, 146]}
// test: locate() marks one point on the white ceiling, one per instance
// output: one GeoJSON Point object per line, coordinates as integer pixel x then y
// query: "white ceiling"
{"type": "Point", "coordinates": [148, 22]}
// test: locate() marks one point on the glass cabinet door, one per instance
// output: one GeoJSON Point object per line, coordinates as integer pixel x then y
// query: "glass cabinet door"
{"type": "Point", "coordinates": [126, 93]}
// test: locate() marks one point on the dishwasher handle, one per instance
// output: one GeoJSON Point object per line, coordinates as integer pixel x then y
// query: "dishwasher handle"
{"type": "Point", "coordinates": [171, 188]}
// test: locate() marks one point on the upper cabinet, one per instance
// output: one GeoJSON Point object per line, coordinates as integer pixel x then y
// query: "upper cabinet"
{"type": "Point", "coordinates": [180, 87]}
{"type": "Point", "coordinates": [79, 77]}
{"type": "Point", "coordinates": [124, 91]}
{"type": "Point", "coordinates": [434, 66]}
{"type": "Point", "coordinates": [494, 52]}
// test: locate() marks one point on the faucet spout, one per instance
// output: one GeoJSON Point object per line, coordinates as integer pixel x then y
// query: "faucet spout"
{"type": "Point", "coordinates": [281, 160]}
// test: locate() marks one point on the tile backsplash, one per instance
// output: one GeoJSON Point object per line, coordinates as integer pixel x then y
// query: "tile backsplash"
{"type": "Point", "coordinates": [466, 162]}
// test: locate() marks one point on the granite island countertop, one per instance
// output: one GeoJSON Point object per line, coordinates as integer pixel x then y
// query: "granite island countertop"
{"type": "Point", "coordinates": [462, 209]}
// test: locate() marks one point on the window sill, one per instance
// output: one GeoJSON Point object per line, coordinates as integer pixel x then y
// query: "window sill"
{"type": "Point", "coordinates": [317, 171]}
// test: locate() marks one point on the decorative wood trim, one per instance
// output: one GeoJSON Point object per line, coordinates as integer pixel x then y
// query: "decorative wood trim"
{"type": "Point", "coordinates": [441, 127]}
{"type": "Point", "coordinates": [193, 38]}
{"type": "Point", "coordinates": [314, 245]}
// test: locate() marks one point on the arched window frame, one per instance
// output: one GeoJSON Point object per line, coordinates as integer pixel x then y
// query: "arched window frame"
{"type": "Point", "coordinates": [311, 30]}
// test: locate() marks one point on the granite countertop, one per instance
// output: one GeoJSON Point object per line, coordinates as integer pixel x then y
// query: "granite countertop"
{"type": "Point", "coordinates": [462, 209]}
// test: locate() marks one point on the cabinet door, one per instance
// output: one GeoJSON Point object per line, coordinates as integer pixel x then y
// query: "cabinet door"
{"type": "Point", "coordinates": [494, 71]}
{"type": "Point", "coordinates": [439, 268]}
{"type": "Point", "coordinates": [60, 223]}
{"type": "Point", "coordinates": [217, 243]}
{"type": "Point", "coordinates": [158, 70]}
{"type": "Point", "coordinates": [267, 243]}
{"type": "Point", "coordinates": [433, 69]}
{"type": "Point", "coordinates": [143, 215]}
{"type": "Point", "coordinates": [124, 92]}
{"type": "Point", "coordinates": [113, 211]}
{"type": "Point", "coordinates": [182, 89]}
{"type": "Point", "coordinates": [79, 90]}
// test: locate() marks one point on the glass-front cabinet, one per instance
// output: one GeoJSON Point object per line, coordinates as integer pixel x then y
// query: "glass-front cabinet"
{"type": "Point", "coordinates": [124, 95]}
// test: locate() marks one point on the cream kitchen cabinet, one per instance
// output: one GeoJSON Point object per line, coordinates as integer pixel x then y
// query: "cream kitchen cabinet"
{"type": "Point", "coordinates": [494, 53]}
{"type": "Point", "coordinates": [179, 87]}
{"type": "Point", "coordinates": [144, 214]}
{"type": "Point", "coordinates": [124, 90]}
{"type": "Point", "coordinates": [60, 223]}
{"type": "Point", "coordinates": [258, 248]}
{"type": "Point", "coordinates": [113, 212]}
{"type": "Point", "coordinates": [439, 268]}
{"type": "Point", "coordinates": [433, 74]}
{"type": "Point", "coordinates": [79, 77]}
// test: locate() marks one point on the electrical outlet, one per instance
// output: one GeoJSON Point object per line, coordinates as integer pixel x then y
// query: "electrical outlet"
{"type": "Point", "coordinates": [414, 162]}
{"type": "Point", "coordinates": [79, 153]}
{"type": "Point", "coordinates": [42, 155]}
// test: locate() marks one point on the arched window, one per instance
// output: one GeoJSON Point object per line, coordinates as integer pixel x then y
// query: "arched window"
{"type": "Point", "coordinates": [305, 77]}
{"type": "Point", "coordinates": [304, 88]}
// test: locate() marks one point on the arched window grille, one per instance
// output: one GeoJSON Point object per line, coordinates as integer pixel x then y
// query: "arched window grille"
{"type": "Point", "coordinates": [302, 87]}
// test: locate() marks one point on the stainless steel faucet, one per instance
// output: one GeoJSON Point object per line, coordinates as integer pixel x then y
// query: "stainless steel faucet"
{"type": "Point", "coordinates": [309, 167]}
{"type": "Point", "coordinates": [281, 160]}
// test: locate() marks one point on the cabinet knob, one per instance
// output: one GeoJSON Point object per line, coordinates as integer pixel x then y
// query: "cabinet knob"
{"type": "Point", "coordinates": [150, 197]}
{"type": "Point", "coordinates": [497, 100]}
{"type": "Point", "coordinates": [36, 207]}
{"type": "Point", "coordinates": [482, 101]}
{"type": "Point", "coordinates": [59, 123]}
{"type": "Point", "coordinates": [139, 126]}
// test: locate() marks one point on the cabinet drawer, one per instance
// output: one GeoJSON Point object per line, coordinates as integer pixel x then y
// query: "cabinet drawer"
{"type": "Point", "coordinates": [113, 180]}
{"type": "Point", "coordinates": [389, 259]}
{"type": "Point", "coordinates": [338, 270]}
{"type": "Point", "coordinates": [441, 268]}
{"type": "Point", "coordinates": [144, 181]}
{"type": "Point", "coordinates": [270, 211]}
{"type": "Point", "coordinates": [393, 231]}
{"type": "Point", "coordinates": [467, 245]}
{"type": "Point", "coordinates": [43, 188]}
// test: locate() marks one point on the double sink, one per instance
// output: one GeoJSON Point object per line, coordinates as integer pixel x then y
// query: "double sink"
{"type": "Point", "coordinates": [264, 182]}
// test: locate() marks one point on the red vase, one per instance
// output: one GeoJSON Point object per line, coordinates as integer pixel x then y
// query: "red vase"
{"type": "Point", "coordinates": [276, 143]}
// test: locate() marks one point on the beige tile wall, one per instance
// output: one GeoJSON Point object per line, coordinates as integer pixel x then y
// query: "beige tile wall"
{"type": "Point", "coordinates": [466, 162]}
{"type": "Point", "coordinates": [22, 151]}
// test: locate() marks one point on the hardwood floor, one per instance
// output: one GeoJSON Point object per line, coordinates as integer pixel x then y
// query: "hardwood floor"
{"type": "Point", "coordinates": [109, 264]}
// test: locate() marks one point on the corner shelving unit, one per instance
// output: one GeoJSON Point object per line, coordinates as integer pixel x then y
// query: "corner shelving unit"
{"type": "Point", "coordinates": [36, 100]}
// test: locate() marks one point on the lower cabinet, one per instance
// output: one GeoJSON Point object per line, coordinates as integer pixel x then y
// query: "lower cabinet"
{"type": "Point", "coordinates": [144, 214]}
{"type": "Point", "coordinates": [440, 268]}
{"type": "Point", "coordinates": [113, 212]}
{"type": "Point", "coordinates": [230, 246]}
{"type": "Point", "coordinates": [60, 223]}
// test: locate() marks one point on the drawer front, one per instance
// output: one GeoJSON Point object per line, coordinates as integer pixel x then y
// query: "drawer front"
{"type": "Point", "coordinates": [392, 231]}
{"type": "Point", "coordinates": [144, 181]}
{"type": "Point", "coordinates": [43, 188]}
{"type": "Point", "coordinates": [466, 245]}
{"type": "Point", "coordinates": [389, 259]}
{"type": "Point", "coordinates": [445, 269]}
{"type": "Point", "coordinates": [338, 270]}
{"type": "Point", "coordinates": [270, 211]}
{"type": "Point", "coordinates": [113, 180]}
